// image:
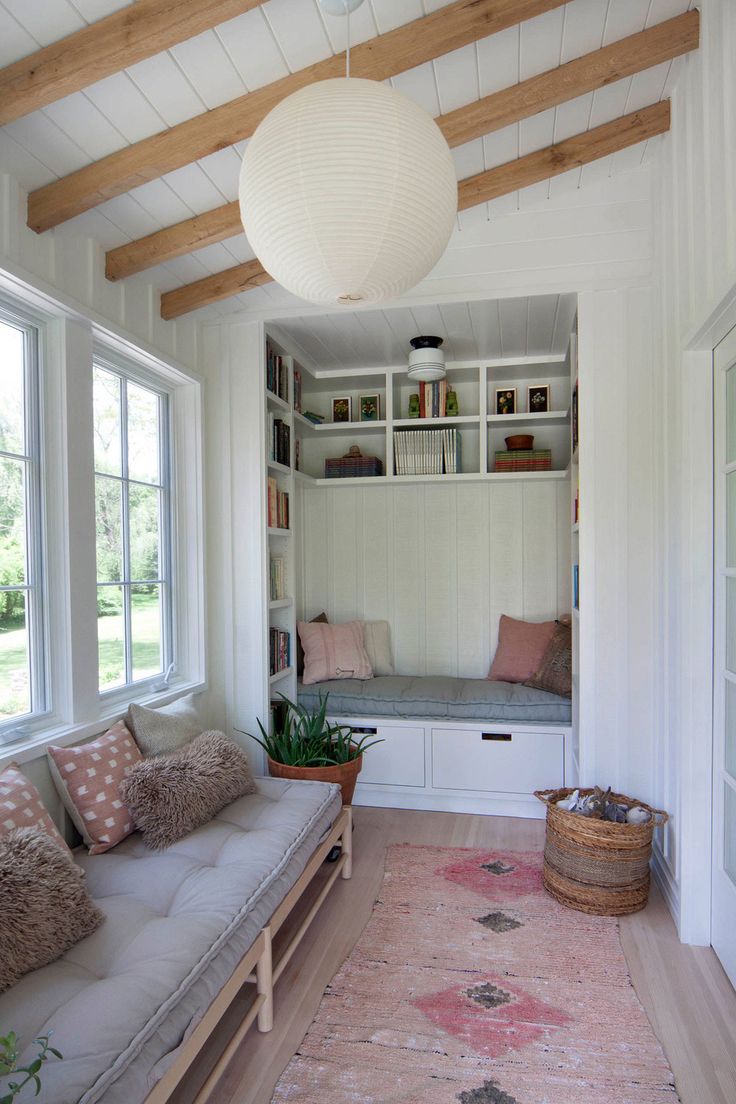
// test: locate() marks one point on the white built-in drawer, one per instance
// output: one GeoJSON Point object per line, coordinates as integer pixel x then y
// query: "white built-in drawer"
{"type": "Point", "coordinates": [503, 761]}
{"type": "Point", "coordinates": [398, 761]}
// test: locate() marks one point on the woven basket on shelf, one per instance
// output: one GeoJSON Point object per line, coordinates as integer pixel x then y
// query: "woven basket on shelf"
{"type": "Point", "coordinates": [594, 865]}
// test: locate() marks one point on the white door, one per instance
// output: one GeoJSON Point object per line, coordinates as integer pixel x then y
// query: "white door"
{"type": "Point", "coordinates": [724, 680]}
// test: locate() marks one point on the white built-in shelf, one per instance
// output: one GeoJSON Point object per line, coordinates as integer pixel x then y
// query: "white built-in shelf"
{"type": "Point", "coordinates": [280, 603]}
{"type": "Point", "coordinates": [421, 423]}
{"type": "Point", "coordinates": [273, 465]}
{"type": "Point", "coordinates": [274, 400]}
{"type": "Point", "coordinates": [553, 416]}
{"type": "Point", "coordinates": [277, 531]}
{"type": "Point", "coordinates": [458, 477]}
{"type": "Point", "coordinates": [280, 675]}
{"type": "Point", "coordinates": [347, 427]}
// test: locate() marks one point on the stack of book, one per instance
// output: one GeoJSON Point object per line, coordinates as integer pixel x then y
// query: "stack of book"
{"type": "Point", "coordinates": [278, 506]}
{"type": "Point", "coordinates": [297, 389]}
{"type": "Point", "coordinates": [427, 451]}
{"type": "Point", "coordinates": [277, 578]}
{"type": "Point", "coordinates": [277, 375]}
{"type": "Point", "coordinates": [280, 438]}
{"type": "Point", "coordinates": [352, 467]}
{"type": "Point", "coordinates": [279, 650]}
{"type": "Point", "coordinates": [517, 460]}
{"type": "Point", "coordinates": [433, 399]}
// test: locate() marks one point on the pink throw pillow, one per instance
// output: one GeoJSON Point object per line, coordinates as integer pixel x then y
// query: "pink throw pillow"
{"type": "Point", "coordinates": [334, 651]}
{"type": "Point", "coordinates": [88, 778]}
{"type": "Point", "coordinates": [521, 648]}
{"type": "Point", "coordinates": [21, 806]}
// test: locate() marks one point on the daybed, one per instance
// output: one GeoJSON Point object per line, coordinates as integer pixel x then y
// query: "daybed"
{"type": "Point", "coordinates": [131, 1005]}
{"type": "Point", "coordinates": [453, 744]}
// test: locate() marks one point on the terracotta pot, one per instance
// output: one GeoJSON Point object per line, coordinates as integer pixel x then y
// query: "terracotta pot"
{"type": "Point", "coordinates": [519, 441]}
{"type": "Point", "coordinates": [345, 774]}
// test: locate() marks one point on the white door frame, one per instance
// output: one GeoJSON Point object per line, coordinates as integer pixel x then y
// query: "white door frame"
{"type": "Point", "coordinates": [695, 661]}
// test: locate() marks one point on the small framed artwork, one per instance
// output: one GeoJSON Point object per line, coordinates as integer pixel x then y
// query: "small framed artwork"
{"type": "Point", "coordinates": [505, 400]}
{"type": "Point", "coordinates": [370, 408]}
{"type": "Point", "coordinates": [538, 394]}
{"type": "Point", "coordinates": [342, 410]}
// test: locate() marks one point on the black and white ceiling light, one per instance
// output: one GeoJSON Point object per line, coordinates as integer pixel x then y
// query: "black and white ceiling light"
{"type": "Point", "coordinates": [348, 191]}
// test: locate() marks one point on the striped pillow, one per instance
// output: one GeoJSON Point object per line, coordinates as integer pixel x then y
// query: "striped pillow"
{"type": "Point", "coordinates": [333, 652]}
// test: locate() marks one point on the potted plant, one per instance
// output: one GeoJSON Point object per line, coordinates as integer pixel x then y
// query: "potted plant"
{"type": "Point", "coordinates": [304, 744]}
{"type": "Point", "coordinates": [27, 1075]}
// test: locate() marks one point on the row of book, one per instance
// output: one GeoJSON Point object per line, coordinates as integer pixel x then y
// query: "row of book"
{"type": "Point", "coordinates": [280, 440]}
{"type": "Point", "coordinates": [516, 460]}
{"type": "Point", "coordinates": [433, 399]}
{"type": "Point", "coordinates": [427, 451]}
{"type": "Point", "coordinates": [279, 650]}
{"type": "Point", "coordinates": [278, 506]}
{"type": "Point", "coordinates": [277, 374]}
{"type": "Point", "coordinates": [277, 578]}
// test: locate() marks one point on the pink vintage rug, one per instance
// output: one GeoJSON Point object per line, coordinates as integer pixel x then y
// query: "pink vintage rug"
{"type": "Point", "coordinates": [471, 984]}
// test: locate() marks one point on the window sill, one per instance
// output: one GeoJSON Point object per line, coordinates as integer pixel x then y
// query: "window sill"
{"type": "Point", "coordinates": [34, 746]}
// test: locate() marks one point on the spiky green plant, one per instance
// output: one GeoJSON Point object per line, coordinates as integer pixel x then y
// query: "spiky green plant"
{"type": "Point", "coordinates": [305, 738]}
{"type": "Point", "coordinates": [28, 1074]}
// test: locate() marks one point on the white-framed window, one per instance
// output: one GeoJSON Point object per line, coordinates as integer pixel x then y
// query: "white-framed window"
{"type": "Point", "coordinates": [133, 527]}
{"type": "Point", "coordinates": [23, 680]}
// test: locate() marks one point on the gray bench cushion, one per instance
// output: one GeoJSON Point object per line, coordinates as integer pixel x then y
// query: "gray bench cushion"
{"type": "Point", "coordinates": [177, 923]}
{"type": "Point", "coordinates": [440, 697]}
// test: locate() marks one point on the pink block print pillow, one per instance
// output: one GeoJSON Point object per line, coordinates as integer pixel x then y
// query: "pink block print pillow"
{"type": "Point", "coordinates": [334, 651]}
{"type": "Point", "coordinates": [88, 778]}
{"type": "Point", "coordinates": [521, 648]}
{"type": "Point", "coordinates": [21, 805]}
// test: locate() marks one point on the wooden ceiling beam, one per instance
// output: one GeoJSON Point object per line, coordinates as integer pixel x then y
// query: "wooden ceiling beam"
{"type": "Point", "coordinates": [551, 161]}
{"type": "Point", "coordinates": [121, 39]}
{"type": "Point", "coordinates": [595, 70]}
{"type": "Point", "coordinates": [447, 29]}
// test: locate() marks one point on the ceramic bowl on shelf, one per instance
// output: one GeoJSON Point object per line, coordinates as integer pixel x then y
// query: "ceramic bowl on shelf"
{"type": "Point", "coordinates": [519, 441]}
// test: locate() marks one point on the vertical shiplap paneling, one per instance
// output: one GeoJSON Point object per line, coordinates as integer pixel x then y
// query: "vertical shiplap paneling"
{"type": "Point", "coordinates": [473, 580]}
{"type": "Point", "coordinates": [316, 597]}
{"type": "Point", "coordinates": [506, 546]}
{"type": "Point", "coordinates": [440, 579]}
{"type": "Point", "coordinates": [376, 529]}
{"type": "Point", "coordinates": [564, 523]}
{"type": "Point", "coordinates": [539, 551]}
{"type": "Point", "coordinates": [343, 555]}
{"type": "Point", "coordinates": [408, 580]}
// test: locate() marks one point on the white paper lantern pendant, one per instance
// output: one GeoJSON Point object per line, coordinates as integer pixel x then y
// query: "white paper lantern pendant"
{"type": "Point", "coordinates": [348, 192]}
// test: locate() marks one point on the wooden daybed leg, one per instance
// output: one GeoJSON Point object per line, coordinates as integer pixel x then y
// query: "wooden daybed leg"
{"type": "Point", "coordinates": [347, 844]}
{"type": "Point", "coordinates": [264, 983]}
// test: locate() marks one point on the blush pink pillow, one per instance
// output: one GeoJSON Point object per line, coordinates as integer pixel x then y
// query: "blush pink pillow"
{"type": "Point", "coordinates": [521, 648]}
{"type": "Point", "coordinates": [334, 651]}
{"type": "Point", "coordinates": [21, 805]}
{"type": "Point", "coordinates": [88, 778]}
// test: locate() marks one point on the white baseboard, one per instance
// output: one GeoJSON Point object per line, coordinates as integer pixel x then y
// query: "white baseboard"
{"type": "Point", "coordinates": [667, 884]}
{"type": "Point", "coordinates": [389, 797]}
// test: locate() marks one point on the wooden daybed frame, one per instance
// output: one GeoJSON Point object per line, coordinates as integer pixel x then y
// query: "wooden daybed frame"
{"type": "Point", "coordinates": [258, 967]}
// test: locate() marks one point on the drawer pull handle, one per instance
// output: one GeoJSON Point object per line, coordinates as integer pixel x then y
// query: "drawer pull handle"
{"type": "Point", "coordinates": [504, 736]}
{"type": "Point", "coordinates": [365, 731]}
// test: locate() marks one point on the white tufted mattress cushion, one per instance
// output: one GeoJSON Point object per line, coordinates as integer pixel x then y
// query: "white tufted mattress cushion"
{"type": "Point", "coordinates": [121, 1001]}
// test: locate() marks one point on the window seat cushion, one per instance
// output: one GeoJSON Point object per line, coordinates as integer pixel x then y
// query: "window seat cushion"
{"type": "Point", "coordinates": [438, 696]}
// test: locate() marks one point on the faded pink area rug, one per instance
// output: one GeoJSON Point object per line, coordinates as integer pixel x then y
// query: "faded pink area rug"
{"type": "Point", "coordinates": [470, 984]}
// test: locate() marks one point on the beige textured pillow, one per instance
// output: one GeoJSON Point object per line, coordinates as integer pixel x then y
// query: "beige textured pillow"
{"type": "Point", "coordinates": [44, 903]}
{"type": "Point", "coordinates": [333, 652]}
{"type": "Point", "coordinates": [377, 643]}
{"type": "Point", "coordinates": [161, 731]}
{"type": "Point", "coordinates": [171, 795]}
{"type": "Point", "coordinates": [88, 778]}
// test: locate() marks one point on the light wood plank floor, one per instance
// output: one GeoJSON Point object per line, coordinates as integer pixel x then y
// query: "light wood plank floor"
{"type": "Point", "coordinates": [684, 989]}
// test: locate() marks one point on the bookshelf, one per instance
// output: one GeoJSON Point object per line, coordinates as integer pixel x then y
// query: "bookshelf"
{"type": "Point", "coordinates": [575, 520]}
{"type": "Point", "coordinates": [478, 426]}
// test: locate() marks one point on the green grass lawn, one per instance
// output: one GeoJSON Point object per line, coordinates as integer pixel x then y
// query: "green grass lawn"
{"type": "Point", "coordinates": [146, 654]}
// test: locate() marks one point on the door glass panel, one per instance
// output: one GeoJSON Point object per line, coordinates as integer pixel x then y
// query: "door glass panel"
{"type": "Point", "coordinates": [12, 429]}
{"type": "Point", "coordinates": [143, 514]}
{"type": "Point", "coordinates": [109, 529]}
{"type": "Point", "coordinates": [731, 519]}
{"type": "Point", "coordinates": [111, 636]}
{"type": "Point", "coordinates": [730, 415]}
{"type": "Point", "coordinates": [12, 522]}
{"type": "Point", "coordinates": [731, 728]}
{"type": "Point", "coordinates": [729, 832]}
{"type": "Point", "coordinates": [107, 422]}
{"type": "Point", "coordinates": [731, 624]}
{"type": "Point", "coordinates": [143, 436]}
{"type": "Point", "coordinates": [15, 667]}
{"type": "Point", "coordinates": [145, 630]}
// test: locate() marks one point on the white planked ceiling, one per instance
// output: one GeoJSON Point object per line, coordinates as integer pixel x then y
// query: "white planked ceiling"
{"type": "Point", "coordinates": [475, 331]}
{"type": "Point", "coordinates": [267, 43]}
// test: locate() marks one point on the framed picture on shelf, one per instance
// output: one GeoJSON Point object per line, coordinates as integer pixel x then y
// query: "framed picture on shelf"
{"type": "Point", "coordinates": [538, 398]}
{"type": "Point", "coordinates": [342, 410]}
{"type": "Point", "coordinates": [370, 408]}
{"type": "Point", "coordinates": [505, 400]}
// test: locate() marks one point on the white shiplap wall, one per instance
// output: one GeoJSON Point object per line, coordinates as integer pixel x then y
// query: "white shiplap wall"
{"type": "Point", "coordinates": [695, 257]}
{"type": "Point", "coordinates": [440, 563]}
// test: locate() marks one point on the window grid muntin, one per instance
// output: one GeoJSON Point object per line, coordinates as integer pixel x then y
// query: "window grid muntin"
{"type": "Point", "coordinates": [126, 583]}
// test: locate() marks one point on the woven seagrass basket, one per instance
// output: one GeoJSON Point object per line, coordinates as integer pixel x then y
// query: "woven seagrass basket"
{"type": "Point", "coordinates": [594, 865]}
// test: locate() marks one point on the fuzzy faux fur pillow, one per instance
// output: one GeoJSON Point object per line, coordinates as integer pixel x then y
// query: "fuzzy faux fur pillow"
{"type": "Point", "coordinates": [171, 795]}
{"type": "Point", "coordinates": [44, 903]}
